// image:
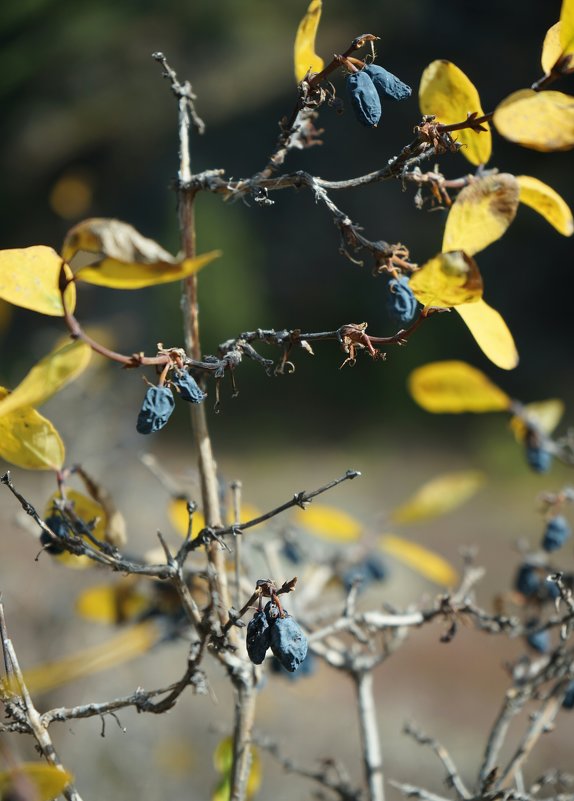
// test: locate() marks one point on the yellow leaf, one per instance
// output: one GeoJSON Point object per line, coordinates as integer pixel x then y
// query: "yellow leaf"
{"type": "Point", "coordinates": [420, 559]}
{"type": "Point", "coordinates": [446, 92]}
{"type": "Point", "coordinates": [481, 213]}
{"type": "Point", "coordinates": [112, 604]}
{"type": "Point", "coordinates": [304, 51]}
{"type": "Point", "coordinates": [567, 27]}
{"type": "Point", "coordinates": [491, 333]}
{"type": "Point", "coordinates": [440, 495]}
{"type": "Point", "coordinates": [87, 510]}
{"type": "Point", "coordinates": [29, 278]}
{"type": "Point", "coordinates": [329, 523]}
{"type": "Point", "coordinates": [222, 762]}
{"type": "Point", "coordinates": [46, 781]}
{"type": "Point", "coordinates": [544, 415]}
{"type": "Point", "coordinates": [29, 440]}
{"type": "Point", "coordinates": [447, 280]}
{"type": "Point", "coordinates": [455, 387]}
{"type": "Point", "coordinates": [49, 376]}
{"type": "Point", "coordinates": [122, 275]}
{"type": "Point", "coordinates": [542, 121]}
{"type": "Point", "coordinates": [543, 199]}
{"type": "Point", "coordinates": [113, 652]}
{"type": "Point", "coordinates": [552, 48]}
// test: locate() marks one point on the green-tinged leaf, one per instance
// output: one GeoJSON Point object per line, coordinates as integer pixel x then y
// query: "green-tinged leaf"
{"type": "Point", "coordinates": [542, 121]}
{"type": "Point", "coordinates": [29, 277]}
{"type": "Point", "coordinates": [223, 761]}
{"type": "Point", "coordinates": [45, 782]}
{"type": "Point", "coordinates": [447, 280]}
{"type": "Point", "coordinates": [329, 523]}
{"type": "Point", "coordinates": [567, 27]}
{"type": "Point", "coordinates": [543, 415]}
{"type": "Point", "coordinates": [446, 92]}
{"type": "Point", "coordinates": [123, 275]}
{"type": "Point", "coordinates": [491, 333]}
{"type": "Point", "coordinates": [439, 496]}
{"type": "Point", "coordinates": [543, 199]}
{"type": "Point", "coordinates": [49, 376]}
{"type": "Point", "coordinates": [111, 604]}
{"type": "Point", "coordinates": [420, 559]}
{"type": "Point", "coordinates": [552, 48]}
{"type": "Point", "coordinates": [304, 51]}
{"type": "Point", "coordinates": [29, 440]}
{"type": "Point", "coordinates": [455, 387]}
{"type": "Point", "coordinates": [481, 213]}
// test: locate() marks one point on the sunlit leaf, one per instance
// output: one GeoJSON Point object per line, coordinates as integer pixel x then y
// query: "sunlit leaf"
{"type": "Point", "coordinates": [329, 523]}
{"type": "Point", "coordinates": [123, 275]}
{"type": "Point", "coordinates": [446, 92]}
{"type": "Point", "coordinates": [304, 51]}
{"type": "Point", "coordinates": [543, 199]}
{"type": "Point", "coordinates": [223, 761]}
{"type": "Point", "coordinates": [112, 604]}
{"type": "Point", "coordinates": [448, 280]}
{"type": "Point", "coordinates": [481, 213]}
{"type": "Point", "coordinates": [49, 376]}
{"type": "Point", "coordinates": [45, 781]}
{"type": "Point", "coordinates": [29, 278]}
{"type": "Point", "coordinates": [552, 47]}
{"type": "Point", "coordinates": [439, 496]}
{"type": "Point", "coordinates": [420, 559]}
{"type": "Point", "coordinates": [455, 387]}
{"type": "Point", "coordinates": [544, 415]}
{"type": "Point", "coordinates": [567, 26]}
{"type": "Point", "coordinates": [29, 440]}
{"type": "Point", "coordinates": [177, 511]}
{"type": "Point", "coordinates": [491, 333]}
{"type": "Point", "coordinates": [539, 120]}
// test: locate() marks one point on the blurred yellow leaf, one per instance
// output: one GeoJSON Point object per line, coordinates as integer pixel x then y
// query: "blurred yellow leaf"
{"type": "Point", "coordinates": [447, 280]}
{"type": "Point", "coordinates": [481, 213]}
{"type": "Point", "coordinates": [542, 121]}
{"type": "Point", "coordinates": [455, 387]}
{"type": "Point", "coordinates": [567, 27]}
{"type": "Point", "coordinates": [420, 559]}
{"type": "Point", "coordinates": [177, 511]}
{"type": "Point", "coordinates": [46, 781]}
{"type": "Point", "coordinates": [112, 604]}
{"type": "Point", "coordinates": [552, 48]}
{"type": "Point", "coordinates": [446, 92]}
{"type": "Point", "coordinates": [223, 760]}
{"type": "Point", "coordinates": [544, 415]}
{"type": "Point", "coordinates": [329, 523]}
{"type": "Point", "coordinates": [29, 278]}
{"type": "Point", "coordinates": [29, 440]}
{"type": "Point", "coordinates": [440, 495]}
{"type": "Point", "coordinates": [304, 51]}
{"type": "Point", "coordinates": [491, 333]}
{"type": "Point", "coordinates": [49, 376]}
{"type": "Point", "coordinates": [543, 199]}
{"type": "Point", "coordinates": [87, 510]}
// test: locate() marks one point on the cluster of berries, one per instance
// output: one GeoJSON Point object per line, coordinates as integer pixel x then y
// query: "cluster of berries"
{"type": "Point", "coordinates": [401, 303]}
{"type": "Point", "coordinates": [159, 402]}
{"type": "Point", "coordinates": [369, 87]}
{"type": "Point", "coordinates": [273, 628]}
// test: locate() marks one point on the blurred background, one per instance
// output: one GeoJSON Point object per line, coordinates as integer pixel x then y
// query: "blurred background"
{"type": "Point", "coordinates": [88, 129]}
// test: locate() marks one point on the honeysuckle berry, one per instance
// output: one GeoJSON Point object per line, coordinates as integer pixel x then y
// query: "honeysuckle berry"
{"type": "Point", "coordinates": [288, 642]}
{"type": "Point", "coordinates": [187, 387]}
{"type": "Point", "coordinates": [364, 99]}
{"type": "Point", "coordinates": [388, 86]}
{"type": "Point", "coordinates": [556, 533]}
{"type": "Point", "coordinates": [156, 409]}
{"type": "Point", "coordinates": [258, 637]}
{"type": "Point", "coordinates": [401, 303]}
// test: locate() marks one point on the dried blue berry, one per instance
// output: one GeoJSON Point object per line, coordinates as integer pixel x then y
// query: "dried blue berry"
{"type": "Point", "coordinates": [556, 533]}
{"type": "Point", "coordinates": [57, 524]}
{"type": "Point", "coordinates": [538, 640]}
{"type": "Point", "coordinates": [387, 85]}
{"type": "Point", "coordinates": [187, 387]}
{"type": "Point", "coordinates": [364, 99]}
{"type": "Point", "coordinates": [156, 409]}
{"type": "Point", "coordinates": [527, 580]}
{"type": "Point", "coordinates": [258, 637]}
{"type": "Point", "coordinates": [272, 612]}
{"type": "Point", "coordinates": [568, 702]}
{"type": "Point", "coordinates": [539, 459]}
{"type": "Point", "coordinates": [288, 642]}
{"type": "Point", "coordinates": [401, 303]}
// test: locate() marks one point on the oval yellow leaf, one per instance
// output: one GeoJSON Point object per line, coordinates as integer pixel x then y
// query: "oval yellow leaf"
{"type": "Point", "coordinates": [455, 387]}
{"type": "Point", "coordinates": [552, 48]}
{"type": "Point", "coordinates": [481, 213]}
{"type": "Point", "coordinates": [304, 51]}
{"type": "Point", "coordinates": [542, 121]}
{"type": "Point", "coordinates": [567, 27]}
{"type": "Point", "coordinates": [29, 440]}
{"type": "Point", "coordinates": [439, 496]}
{"type": "Point", "coordinates": [47, 781]}
{"type": "Point", "coordinates": [329, 523]}
{"type": "Point", "coordinates": [447, 280]}
{"type": "Point", "coordinates": [123, 275]}
{"type": "Point", "coordinates": [543, 415]}
{"type": "Point", "coordinates": [420, 559]}
{"type": "Point", "coordinates": [29, 278]}
{"type": "Point", "coordinates": [446, 92]}
{"type": "Point", "coordinates": [490, 333]}
{"type": "Point", "coordinates": [49, 376]}
{"type": "Point", "coordinates": [543, 199]}
{"type": "Point", "coordinates": [111, 604]}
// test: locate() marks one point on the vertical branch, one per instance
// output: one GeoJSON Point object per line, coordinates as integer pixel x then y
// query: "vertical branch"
{"type": "Point", "coordinates": [372, 756]}
{"type": "Point", "coordinates": [245, 699]}
{"type": "Point", "coordinates": [513, 703]}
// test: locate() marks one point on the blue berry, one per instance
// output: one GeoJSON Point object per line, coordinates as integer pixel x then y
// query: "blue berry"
{"type": "Point", "coordinates": [387, 85]}
{"type": "Point", "coordinates": [364, 99]}
{"type": "Point", "coordinates": [372, 568]}
{"type": "Point", "coordinates": [538, 640]}
{"type": "Point", "coordinates": [527, 580]}
{"type": "Point", "coordinates": [556, 533]}
{"type": "Point", "coordinates": [258, 637]}
{"type": "Point", "coordinates": [187, 387]}
{"type": "Point", "coordinates": [539, 459]}
{"type": "Point", "coordinates": [288, 642]}
{"type": "Point", "coordinates": [156, 409]}
{"type": "Point", "coordinates": [568, 702]}
{"type": "Point", "coordinates": [401, 303]}
{"type": "Point", "coordinates": [57, 524]}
